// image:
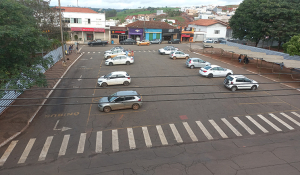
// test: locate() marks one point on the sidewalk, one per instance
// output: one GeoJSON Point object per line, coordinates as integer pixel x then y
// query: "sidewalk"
{"type": "Point", "coordinates": [14, 120]}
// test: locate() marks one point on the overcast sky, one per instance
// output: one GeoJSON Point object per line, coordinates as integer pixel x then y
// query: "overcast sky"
{"type": "Point", "coordinates": [132, 4]}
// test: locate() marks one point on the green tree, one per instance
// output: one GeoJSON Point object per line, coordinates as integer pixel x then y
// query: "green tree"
{"type": "Point", "coordinates": [293, 46]}
{"type": "Point", "coordinates": [20, 40]}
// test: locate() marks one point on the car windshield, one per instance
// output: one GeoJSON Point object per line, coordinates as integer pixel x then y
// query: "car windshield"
{"type": "Point", "coordinates": [112, 97]}
{"type": "Point", "coordinates": [207, 67]}
{"type": "Point", "coordinates": [229, 78]}
{"type": "Point", "coordinates": [108, 75]}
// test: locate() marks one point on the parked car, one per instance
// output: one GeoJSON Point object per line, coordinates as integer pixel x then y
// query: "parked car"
{"type": "Point", "coordinates": [114, 48]}
{"type": "Point", "coordinates": [114, 54]}
{"type": "Point", "coordinates": [120, 100]}
{"type": "Point", "coordinates": [210, 40]}
{"type": "Point", "coordinates": [179, 54]}
{"type": "Point", "coordinates": [214, 71]}
{"type": "Point", "coordinates": [114, 78]}
{"type": "Point", "coordinates": [235, 82]}
{"type": "Point", "coordinates": [206, 45]}
{"type": "Point", "coordinates": [155, 41]}
{"type": "Point", "coordinates": [223, 42]}
{"type": "Point", "coordinates": [167, 50]}
{"type": "Point", "coordinates": [128, 41]}
{"type": "Point", "coordinates": [174, 41]}
{"type": "Point", "coordinates": [97, 42]}
{"type": "Point", "coordinates": [120, 59]}
{"type": "Point", "coordinates": [144, 43]}
{"type": "Point", "coordinates": [221, 39]}
{"type": "Point", "coordinates": [196, 62]}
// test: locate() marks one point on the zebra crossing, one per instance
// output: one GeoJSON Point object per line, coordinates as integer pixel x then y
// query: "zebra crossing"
{"type": "Point", "coordinates": [214, 129]}
{"type": "Point", "coordinates": [136, 51]}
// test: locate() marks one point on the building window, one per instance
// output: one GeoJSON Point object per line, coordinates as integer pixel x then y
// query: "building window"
{"type": "Point", "coordinates": [217, 31]}
{"type": "Point", "coordinates": [66, 20]}
{"type": "Point", "coordinates": [89, 21]}
{"type": "Point", "coordinates": [114, 36]}
{"type": "Point", "coordinates": [76, 20]}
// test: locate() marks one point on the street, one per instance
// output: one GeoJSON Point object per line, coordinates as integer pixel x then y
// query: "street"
{"type": "Point", "coordinates": [186, 125]}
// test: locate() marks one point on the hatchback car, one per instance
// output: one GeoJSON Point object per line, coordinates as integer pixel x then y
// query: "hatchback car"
{"type": "Point", "coordinates": [114, 54]}
{"type": "Point", "coordinates": [179, 54]}
{"type": "Point", "coordinates": [214, 71]}
{"type": "Point", "coordinates": [143, 43]}
{"type": "Point", "coordinates": [155, 41]}
{"type": "Point", "coordinates": [196, 62]}
{"type": "Point", "coordinates": [120, 59]}
{"type": "Point", "coordinates": [114, 78]}
{"type": "Point", "coordinates": [120, 100]}
{"type": "Point", "coordinates": [128, 41]}
{"type": "Point", "coordinates": [174, 41]}
{"type": "Point", "coordinates": [167, 50]}
{"type": "Point", "coordinates": [235, 82]}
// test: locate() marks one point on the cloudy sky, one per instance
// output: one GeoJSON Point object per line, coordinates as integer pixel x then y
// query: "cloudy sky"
{"type": "Point", "coordinates": [121, 4]}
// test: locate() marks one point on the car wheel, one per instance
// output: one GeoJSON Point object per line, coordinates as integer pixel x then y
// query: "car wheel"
{"type": "Point", "coordinates": [110, 63]}
{"type": "Point", "coordinates": [92, 45]}
{"type": "Point", "coordinates": [174, 58]}
{"type": "Point", "coordinates": [126, 83]}
{"type": "Point", "coordinates": [106, 109]}
{"type": "Point", "coordinates": [135, 106]}
{"type": "Point", "coordinates": [233, 88]}
{"type": "Point", "coordinates": [192, 67]}
{"type": "Point", "coordinates": [253, 88]}
{"type": "Point", "coordinates": [104, 84]}
{"type": "Point", "coordinates": [148, 44]}
{"type": "Point", "coordinates": [127, 62]}
{"type": "Point", "coordinates": [210, 75]}
{"type": "Point", "coordinates": [228, 74]}
{"type": "Point", "coordinates": [186, 57]}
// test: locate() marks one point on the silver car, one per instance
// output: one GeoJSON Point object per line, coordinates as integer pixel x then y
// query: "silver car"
{"type": "Point", "coordinates": [120, 100]}
{"type": "Point", "coordinates": [196, 62]}
{"type": "Point", "coordinates": [179, 54]}
{"type": "Point", "coordinates": [155, 41]}
{"type": "Point", "coordinates": [120, 59]}
{"type": "Point", "coordinates": [235, 82]}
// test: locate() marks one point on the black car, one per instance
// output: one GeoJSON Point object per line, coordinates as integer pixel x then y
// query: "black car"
{"type": "Point", "coordinates": [128, 41]}
{"type": "Point", "coordinates": [97, 42]}
{"type": "Point", "coordinates": [174, 41]}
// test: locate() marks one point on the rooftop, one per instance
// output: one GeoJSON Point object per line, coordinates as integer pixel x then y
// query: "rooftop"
{"type": "Point", "coordinates": [76, 9]}
{"type": "Point", "coordinates": [150, 25]}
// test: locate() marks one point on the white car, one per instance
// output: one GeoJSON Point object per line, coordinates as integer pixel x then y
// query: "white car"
{"type": "Point", "coordinates": [235, 82]}
{"type": "Point", "coordinates": [210, 40]}
{"type": "Point", "coordinates": [120, 59]}
{"type": "Point", "coordinates": [167, 50]}
{"type": "Point", "coordinates": [179, 54]}
{"type": "Point", "coordinates": [114, 78]}
{"type": "Point", "coordinates": [114, 48]}
{"type": "Point", "coordinates": [196, 62]}
{"type": "Point", "coordinates": [214, 71]}
{"type": "Point", "coordinates": [114, 53]}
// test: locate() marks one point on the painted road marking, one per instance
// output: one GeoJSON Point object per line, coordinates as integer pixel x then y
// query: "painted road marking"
{"type": "Point", "coordinates": [257, 124]}
{"type": "Point", "coordinates": [189, 130]}
{"type": "Point", "coordinates": [99, 142]}
{"type": "Point", "coordinates": [115, 140]}
{"type": "Point", "coordinates": [64, 145]}
{"type": "Point", "coordinates": [220, 131]}
{"type": "Point", "coordinates": [204, 130]}
{"type": "Point", "coordinates": [269, 122]}
{"type": "Point", "coordinates": [93, 52]}
{"type": "Point", "coordinates": [88, 52]}
{"type": "Point", "coordinates": [244, 126]}
{"type": "Point", "coordinates": [161, 135]}
{"type": "Point", "coordinates": [296, 114]}
{"type": "Point", "coordinates": [176, 133]}
{"type": "Point", "coordinates": [99, 52]}
{"type": "Point", "coordinates": [147, 137]}
{"type": "Point", "coordinates": [131, 138]}
{"type": "Point", "coordinates": [291, 119]}
{"type": "Point", "coordinates": [237, 133]}
{"type": "Point", "coordinates": [45, 148]}
{"type": "Point", "coordinates": [26, 151]}
{"type": "Point", "coordinates": [81, 143]}
{"type": "Point", "coordinates": [8, 151]}
{"type": "Point", "coordinates": [281, 121]}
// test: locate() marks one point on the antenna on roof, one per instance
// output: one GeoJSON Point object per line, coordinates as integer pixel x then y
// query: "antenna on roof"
{"type": "Point", "coordinates": [77, 3]}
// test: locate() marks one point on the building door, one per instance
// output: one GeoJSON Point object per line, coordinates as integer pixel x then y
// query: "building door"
{"type": "Point", "coordinates": [89, 36]}
{"type": "Point", "coordinates": [150, 36]}
{"type": "Point", "coordinates": [158, 36]}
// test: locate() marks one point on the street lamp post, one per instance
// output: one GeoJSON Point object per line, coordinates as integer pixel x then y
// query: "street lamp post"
{"type": "Point", "coordinates": [62, 37]}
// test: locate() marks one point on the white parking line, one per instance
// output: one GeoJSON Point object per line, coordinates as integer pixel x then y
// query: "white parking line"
{"type": "Point", "coordinates": [93, 52]}
{"type": "Point", "coordinates": [204, 130]}
{"type": "Point", "coordinates": [161, 135]}
{"type": "Point", "coordinates": [64, 145]}
{"type": "Point", "coordinates": [99, 52]}
{"type": "Point", "coordinates": [220, 131]}
{"type": "Point", "coordinates": [131, 138]}
{"type": "Point", "coordinates": [115, 141]}
{"type": "Point", "coordinates": [99, 142]}
{"type": "Point", "coordinates": [8, 151]}
{"type": "Point", "coordinates": [269, 122]}
{"type": "Point", "coordinates": [45, 148]}
{"type": "Point", "coordinates": [190, 132]}
{"type": "Point", "coordinates": [231, 127]}
{"type": "Point", "coordinates": [26, 151]}
{"type": "Point", "coordinates": [147, 137]}
{"type": "Point", "coordinates": [281, 121]}
{"type": "Point", "coordinates": [257, 124]}
{"type": "Point", "coordinates": [244, 125]}
{"type": "Point", "coordinates": [81, 144]}
{"type": "Point", "coordinates": [88, 52]}
{"type": "Point", "coordinates": [296, 114]}
{"type": "Point", "coordinates": [176, 133]}
{"type": "Point", "coordinates": [291, 119]}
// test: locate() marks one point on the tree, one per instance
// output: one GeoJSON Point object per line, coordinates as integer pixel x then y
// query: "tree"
{"type": "Point", "coordinates": [20, 40]}
{"type": "Point", "coordinates": [293, 46]}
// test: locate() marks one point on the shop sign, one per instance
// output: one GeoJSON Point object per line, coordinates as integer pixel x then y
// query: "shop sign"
{"type": "Point", "coordinates": [136, 31]}
{"type": "Point", "coordinates": [119, 32]}
{"type": "Point", "coordinates": [87, 29]}
{"type": "Point", "coordinates": [188, 29]}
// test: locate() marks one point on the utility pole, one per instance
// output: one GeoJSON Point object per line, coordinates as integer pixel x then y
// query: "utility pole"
{"type": "Point", "coordinates": [62, 37]}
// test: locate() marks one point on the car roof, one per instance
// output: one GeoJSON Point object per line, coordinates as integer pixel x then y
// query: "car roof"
{"type": "Point", "coordinates": [118, 72]}
{"type": "Point", "coordinates": [238, 76]}
{"type": "Point", "coordinates": [214, 66]}
{"type": "Point", "coordinates": [121, 93]}
{"type": "Point", "coordinates": [195, 58]}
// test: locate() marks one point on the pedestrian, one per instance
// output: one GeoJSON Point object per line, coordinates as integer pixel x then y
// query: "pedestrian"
{"type": "Point", "coordinates": [126, 52]}
{"type": "Point", "coordinates": [70, 49]}
{"type": "Point", "coordinates": [246, 60]}
{"type": "Point", "coordinates": [240, 58]}
{"type": "Point", "coordinates": [77, 49]}
{"type": "Point", "coordinates": [281, 65]}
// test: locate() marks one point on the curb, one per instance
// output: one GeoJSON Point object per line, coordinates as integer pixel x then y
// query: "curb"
{"type": "Point", "coordinates": [30, 120]}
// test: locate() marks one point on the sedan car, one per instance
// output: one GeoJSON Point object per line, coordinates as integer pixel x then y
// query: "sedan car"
{"type": "Point", "coordinates": [196, 62]}
{"type": "Point", "coordinates": [215, 71]}
{"type": "Point", "coordinates": [235, 82]}
{"type": "Point", "coordinates": [128, 41]}
{"type": "Point", "coordinates": [120, 100]}
{"type": "Point", "coordinates": [210, 40]}
{"type": "Point", "coordinates": [179, 54]}
{"type": "Point", "coordinates": [114, 78]}
{"type": "Point", "coordinates": [167, 50]}
{"type": "Point", "coordinates": [114, 48]}
{"type": "Point", "coordinates": [120, 59]}
{"type": "Point", "coordinates": [155, 41]}
{"type": "Point", "coordinates": [114, 54]}
{"type": "Point", "coordinates": [174, 41]}
{"type": "Point", "coordinates": [143, 43]}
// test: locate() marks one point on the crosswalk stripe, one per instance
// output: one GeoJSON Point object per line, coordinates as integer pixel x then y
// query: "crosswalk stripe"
{"type": "Point", "coordinates": [257, 124]}
{"type": "Point", "coordinates": [8, 151]}
{"type": "Point", "coordinates": [144, 51]}
{"type": "Point", "coordinates": [231, 127]}
{"type": "Point", "coordinates": [45, 148]}
{"type": "Point", "coordinates": [161, 135]}
{"type": "Point", "coordinates": [88, 52]}
{"type": "Point", "coordinates": [291, 119]}
{"type": "Point", "coordinates": [244, 126]}
{"type": "Point", "coordinates": [93, 52]}
{"type": "Point", "coordinates": [220, 131]}
{"type": "Point", "coordinates": [296, 114]}
{"type": "Point", "coordinates": [189, 130]}
{"type": "Point", "coordinates": [139, 51]}
{"type": "Point", "coordinates": [149, 51]}
{"type": "Point", "coordinates": [204, 130]}
{"type": "Point", "coordinates": [131, 138]}
{"type": "Point", "coordinates": [26, 151]}
{"type": "Point", "coordinates": [115, 141]}
{"type": "Point", "coordinates": [64, 145]}
{"type": "Point", "coordinates": [99, 52]}
{"type": "Point", "coordinates": [281, 121]}
{"type": "Point", "coordinates": [176, 133]}
{"type": "Point", "coordinates": [147, 137]}
{"type": "Point", "coordinates": [81, 143]}
{"type": "Point", "coordinates": [99, 142]}
{"type": "Point", "coordinates": [269, 122]}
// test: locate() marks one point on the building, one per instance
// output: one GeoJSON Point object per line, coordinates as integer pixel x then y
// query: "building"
{"type": "Point", "coordinates": [187, 34]}
{"type": "Point", "coordinates": [118, 34]}
{"type": "Point", "coordinates": [130, 19]}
